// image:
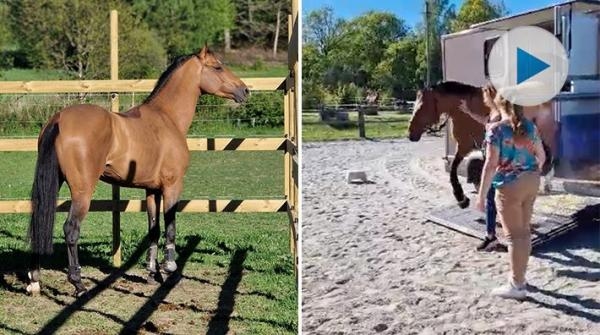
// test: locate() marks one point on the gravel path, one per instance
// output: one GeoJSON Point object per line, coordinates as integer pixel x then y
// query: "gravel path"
{"type": "Point", "coordinates": [373, 264]}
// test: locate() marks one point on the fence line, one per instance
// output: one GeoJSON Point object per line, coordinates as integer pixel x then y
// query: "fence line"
{"type": "Point", "coordinates": [194, 144]}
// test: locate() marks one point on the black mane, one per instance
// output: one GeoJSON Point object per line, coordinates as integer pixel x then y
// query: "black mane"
{"type": "Point", "coordinates": [456, 88]}
{"type": "Point", "coordinates": [164, 77]}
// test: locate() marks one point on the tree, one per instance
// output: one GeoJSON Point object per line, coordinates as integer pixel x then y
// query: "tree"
{"type": "Point", "coordinates": [75, 36]}
{"type": "Point", "coordinates": [322, 29]}
{"type": "Point", "coordinates": [141, 54]}
{"type": "Point", "coordinates": [363, 43]}
{"type": "Point", "coordinates": [256, 22]}
{"type": "Point", "coordinates": [442, 12]}
{"type": "Point", "coordinates": [396, 72]}
{"type": "Point", "coordinates": [5, 34]}
{"type": "Point", "coordinates": [6, 39]}
{"type": "Point", "coordinates": [185, 25]}
{"type": "Point", "coordinates": [475, 11]}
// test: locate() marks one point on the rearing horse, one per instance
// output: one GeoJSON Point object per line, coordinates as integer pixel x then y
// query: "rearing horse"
{"type": "Point", "coordinates": [144, 147]}
{"type": "Point", "coordinates": [445, 98]}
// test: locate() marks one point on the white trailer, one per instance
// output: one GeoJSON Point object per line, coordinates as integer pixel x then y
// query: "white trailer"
{"type": "Point", "coordinates": [576, 109]}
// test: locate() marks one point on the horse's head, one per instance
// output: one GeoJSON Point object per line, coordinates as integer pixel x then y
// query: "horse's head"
{"type": "Point", "coordinates": [425, 114]}
{"type": "Point", "coordinates": [219, 80]}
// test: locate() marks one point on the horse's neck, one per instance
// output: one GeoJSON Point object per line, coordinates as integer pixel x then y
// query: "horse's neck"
{"type": "Point", "coordinates": [178, 99]}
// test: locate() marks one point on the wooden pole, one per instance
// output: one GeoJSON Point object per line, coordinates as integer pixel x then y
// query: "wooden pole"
{"type": "Point", "coordinates": [116, 192]}
{"type": "Point", "coordinates": [289, 111]}
{"type": "Point", "coordinates": [427, 46]}
{"type": "Point", "coordinates": [361, 122]}
{"type": "Point", "coordinates": [294, 117]}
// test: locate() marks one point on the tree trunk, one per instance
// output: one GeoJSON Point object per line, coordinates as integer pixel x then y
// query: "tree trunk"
{"type": "Point", "coordinates": [250, 11]}
{"type": "Point", "coordinates": [227, 41]}
{"type": "Point", "coordinates": [276, 42]}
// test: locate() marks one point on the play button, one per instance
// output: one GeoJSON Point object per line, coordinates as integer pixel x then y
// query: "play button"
{"type": "Point", "coordinates": [528, 65]}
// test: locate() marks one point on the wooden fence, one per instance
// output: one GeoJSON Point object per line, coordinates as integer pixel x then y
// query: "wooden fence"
{"type": "Point", "coordinates": [287, 143]}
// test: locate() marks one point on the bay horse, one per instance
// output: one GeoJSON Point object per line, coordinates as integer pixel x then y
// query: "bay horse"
{"type": "Point", "coordinates": [144, 147]}
{"type": "Point", "coordinates": [445, 98]}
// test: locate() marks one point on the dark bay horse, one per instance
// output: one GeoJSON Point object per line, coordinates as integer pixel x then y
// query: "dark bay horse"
{"type": "Point", "coordinates": [445, 98]}
{"type": "Point", "coordinates": [144, 147]}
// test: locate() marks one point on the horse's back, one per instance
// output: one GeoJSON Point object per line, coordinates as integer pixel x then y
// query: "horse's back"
{"type": "Point", "coordinates": [83, 118]}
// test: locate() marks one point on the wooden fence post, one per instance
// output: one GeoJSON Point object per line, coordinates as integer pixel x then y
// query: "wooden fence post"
{"type": "Point", "coordinates": [361, 122]}
{"type": "Point", "coordinates": [116, 192]}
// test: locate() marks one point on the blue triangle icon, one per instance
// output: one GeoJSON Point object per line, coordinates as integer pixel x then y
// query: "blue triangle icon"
{"type": "Point", "coordinates": [528, 65]}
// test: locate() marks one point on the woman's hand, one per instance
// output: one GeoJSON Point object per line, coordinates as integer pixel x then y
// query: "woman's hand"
{"type": "Point", "coordinates": [464, 107]}
{"type": "Point", "coordinates": [480, 203]}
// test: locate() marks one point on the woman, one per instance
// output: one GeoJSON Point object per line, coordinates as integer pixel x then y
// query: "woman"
{"type": "Point", "coordinates": [514, 157]}
{"type": "Point", "coordinates": [490, 242]}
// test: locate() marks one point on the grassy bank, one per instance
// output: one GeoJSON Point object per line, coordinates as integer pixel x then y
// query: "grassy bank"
{"type": "Point", "coordinates": [386, 125]}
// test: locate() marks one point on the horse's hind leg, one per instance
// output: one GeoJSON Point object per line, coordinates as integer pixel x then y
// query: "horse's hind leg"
{"type": "Point", "coordinates": [81, 175]}
{"type": "Point", "coordinates": [153, 209]}
{"type": "Point", "coordinates": [79, 208]}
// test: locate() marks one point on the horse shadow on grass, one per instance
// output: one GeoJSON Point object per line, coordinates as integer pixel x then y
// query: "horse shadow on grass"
{"type": "Point", "coordinates": [221, 316]}
{"type": "Point", "coordinates": [16, 262]}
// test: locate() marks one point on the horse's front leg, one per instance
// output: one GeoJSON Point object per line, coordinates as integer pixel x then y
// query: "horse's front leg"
{"type": "Point", "coordinates": [153, 209]}
{"type": "Point", "coordinates": [171, 196]}
{"type": "Point", "coordinates": [459, 194]}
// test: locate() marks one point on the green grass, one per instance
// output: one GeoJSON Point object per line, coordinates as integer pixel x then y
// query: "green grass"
{"type": "Point", "coordinates": [264, 72]}
{"type": "Point", "coordinates": [16, 74]}
{"type": "Point", "coordinates": [396, 126]}
{"type": "Point", "coordinates": [237, 273]}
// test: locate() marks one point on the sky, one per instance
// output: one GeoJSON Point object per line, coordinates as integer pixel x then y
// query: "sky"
{"type": "Point", "coordinates": [409, 10]}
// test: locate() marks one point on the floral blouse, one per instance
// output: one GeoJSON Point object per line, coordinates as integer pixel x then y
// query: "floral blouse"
{"type": "Point", "coordinates": [516, 155]}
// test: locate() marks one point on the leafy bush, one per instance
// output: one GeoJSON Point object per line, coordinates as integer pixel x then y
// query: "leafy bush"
{"type": "Point", "coordinates": [261, 109]}
{"type": "Point", "coordinates": [349, 93]}
{"type": "Point", "coordinates": [266, 108]}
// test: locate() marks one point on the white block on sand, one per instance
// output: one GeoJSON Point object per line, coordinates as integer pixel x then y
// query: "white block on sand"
{"type": "Point", "coordinates": [356, 177]}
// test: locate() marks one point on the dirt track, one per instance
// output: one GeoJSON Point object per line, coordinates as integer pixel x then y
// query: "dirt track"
{"type": "Point", "coordinates": [373, 264]}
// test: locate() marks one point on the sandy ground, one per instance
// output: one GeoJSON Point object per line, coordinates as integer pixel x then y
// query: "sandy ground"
{"type": "Point", "coordinates": [373, 264]}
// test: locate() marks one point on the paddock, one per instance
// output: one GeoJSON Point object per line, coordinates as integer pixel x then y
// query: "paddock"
{"type": "Point", "coordinates": [370, 250]}
{"type": "Point", "coordinates": [226, 262]}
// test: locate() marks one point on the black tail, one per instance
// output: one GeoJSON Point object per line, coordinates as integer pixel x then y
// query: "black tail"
{"type": "Point", "coordinates": [44, 193]}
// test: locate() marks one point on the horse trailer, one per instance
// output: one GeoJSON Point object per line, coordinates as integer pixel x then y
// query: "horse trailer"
{"type": "Point", "coordinates": [576, 108]}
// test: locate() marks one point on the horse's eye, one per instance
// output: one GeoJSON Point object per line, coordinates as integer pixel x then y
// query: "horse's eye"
{"type": "Point", "coordinates": [219, 68]}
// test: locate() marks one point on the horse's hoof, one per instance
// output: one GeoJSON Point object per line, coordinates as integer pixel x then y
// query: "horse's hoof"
{"type": "Point", "coordinates": [169, 266]}
{"type": "Point", "coordinates": [34, 288]}
{"type": "Point", "coordinates": [464, 203]}
{"type": "Point", "coordinates": [154, 278]}
{"type": "Point", "coordinates": [79, 292]}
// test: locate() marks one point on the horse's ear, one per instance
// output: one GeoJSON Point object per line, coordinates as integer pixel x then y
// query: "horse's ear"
{"type": "Point", "coordinates": [204, 52]}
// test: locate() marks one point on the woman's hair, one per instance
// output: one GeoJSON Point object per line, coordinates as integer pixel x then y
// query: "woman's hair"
{"type": "Point", "coordinates": [516, 115]}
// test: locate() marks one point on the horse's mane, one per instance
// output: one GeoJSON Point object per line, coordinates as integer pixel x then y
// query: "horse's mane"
{"type": "Point", "coordinates": [165, 76]}
{"type": "Point", "coordinates": [456, 88]}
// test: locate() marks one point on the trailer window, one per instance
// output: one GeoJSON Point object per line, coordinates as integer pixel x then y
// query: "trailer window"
{"type": "Point", "coordinates": [487, 49]}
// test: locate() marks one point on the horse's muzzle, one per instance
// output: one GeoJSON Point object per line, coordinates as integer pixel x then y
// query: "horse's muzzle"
{"type": "Point", "coordinates": [414, 137]}
{"type": "Point", "coordinates": [241, 94]}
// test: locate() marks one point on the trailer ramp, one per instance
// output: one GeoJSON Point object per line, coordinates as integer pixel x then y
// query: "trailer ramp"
{"type": "Point", "coordinates": [545, 226]}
